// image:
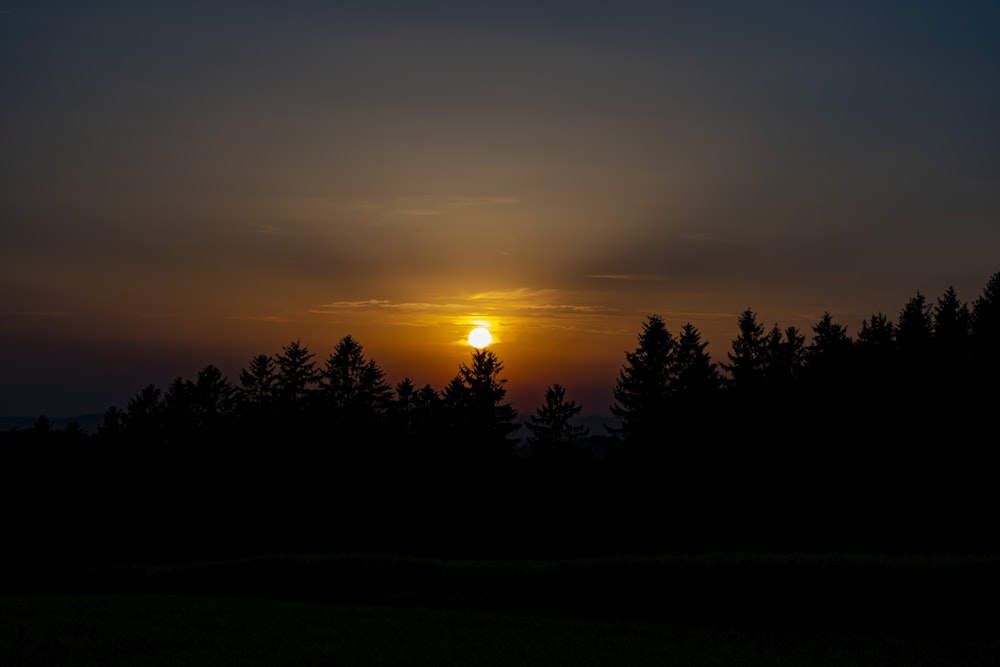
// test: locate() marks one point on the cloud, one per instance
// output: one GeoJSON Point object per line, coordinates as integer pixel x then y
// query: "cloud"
{"type": "Point", "coordinates": [419, 211]}
{"type": "Point", "coordinates": [635, 277]}
{"type": "Point", "coordinates": [516, 294]}
{"type": "Point", "coordinates": [43, 314]}
{"type": "Point", "coordinates": [348, 305]}
{"type": "Point", "coordinates": [260, 318]}
{"type": "Point", "coordinates": [338, 307]}
{"type": "Point", "coordinates": [268, 229]}
{"type": "Point", "coordinates": [524, 302]}
{"type": "Point", "coordinates": [569, 308]}
{"type": "Point", "coordinates": [706, 237]}
{"type": "Point", "coordinates": [438, 206]}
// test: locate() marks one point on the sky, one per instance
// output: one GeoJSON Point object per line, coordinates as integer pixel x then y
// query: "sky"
{"type": "Point", "coordinates": [192, 183]}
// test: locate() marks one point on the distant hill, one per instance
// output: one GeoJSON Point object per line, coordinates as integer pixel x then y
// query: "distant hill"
{"type": "Point", "coordinates": [88, 423]}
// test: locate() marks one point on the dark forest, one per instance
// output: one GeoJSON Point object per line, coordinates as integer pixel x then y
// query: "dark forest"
{"type": "Point", "coordinates": [795, 442]}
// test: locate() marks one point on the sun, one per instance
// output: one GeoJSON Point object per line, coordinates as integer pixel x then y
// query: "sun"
{"type": "Point", "coordinates": [480, 337]}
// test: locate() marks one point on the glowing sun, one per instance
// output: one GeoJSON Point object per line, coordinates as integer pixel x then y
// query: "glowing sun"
{"type": "Point", "coordinates": [480, 337]}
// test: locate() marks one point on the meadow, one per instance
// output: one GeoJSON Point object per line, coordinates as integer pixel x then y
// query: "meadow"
{"type": "Point", "coordinates": [353, 609]}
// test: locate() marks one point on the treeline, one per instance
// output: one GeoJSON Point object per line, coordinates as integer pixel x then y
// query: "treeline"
{"type": "Point", "coordinates": [795, 441]}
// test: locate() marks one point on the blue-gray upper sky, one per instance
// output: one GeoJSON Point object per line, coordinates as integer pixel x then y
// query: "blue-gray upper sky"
{"type": "Point", "coordinates": [185, 183]}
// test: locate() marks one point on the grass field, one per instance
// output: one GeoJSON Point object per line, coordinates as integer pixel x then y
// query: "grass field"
{"type": "Point", "coordinates": [193, 630]}
{"type": "Point", "coordinates": [386, 610]}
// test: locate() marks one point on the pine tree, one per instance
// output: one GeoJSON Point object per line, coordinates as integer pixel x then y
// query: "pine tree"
{"type": "Point", "coordinates": [144, 416]}
{"type": "Point", "coordinates": [985, 328]}
{"type": "Point", "coordinates": [951, 330]}
{"type": "Point", "coordinates": [297, 375]}
{"type": "Point", "coordinates": [645, 383]}
{"type": "Point", "coordinates": [352, 386]}
{"type": "Point", "coordinates": [914, 330]}
{"type": "Point", "coordinates": [784, 364]}
{"type": "Point", "coordinates": [696, 378]}
{"type": "Point", "coordinates": [259, 382]}
{"type": "Point", "coordinates": [474, 403]}
{"type": "Point", "coordinates": [414, 410]}
{"type": "Point", "coordinates": [829, 353]}
{"type": "Point", "coordinates": [747, 365]}
{"type": "Point", "coordinates": [551, 431]}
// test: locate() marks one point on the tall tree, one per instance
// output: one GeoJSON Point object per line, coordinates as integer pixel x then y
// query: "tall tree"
{"type": "Point", "coordinates": [474, 402]}
{"type": "Point", "coordinates": [213, 398]}
{"type": "Point", "coordinates": [877, 333]}
{"type": "Point", "coordinates": [748, 359]}
{"type": "Point", "coordinates": [985, 327]}
{"type": "Point", "coordinates": [696, 378]}
{"type": "Point", "coordinates": [552, 433]}
{"type": "Point", "coordinates": [297, 375]}
{"type": "Point", "coordinates": [785, 355]}
{"type": "Point", "coordinates": [179, 420]}
{"type": "Point", "coordinates": [414, 410]}
{"type": "Point", "coordinates": [259, 383]}
{"type": "Point", "coordinates": [830, 375]}
{"type": "Point", "coordinates": [144, 416]}
{"type": "Point", "coordinates": [829, 353]}
{"type": "Point", "coordinates": [354, 387]}
{"type": "Point", "coordinates": [914, 338]}
{"type": "Point", "coordinates": [876, 354]}
{"type": "Point", "coordinates": [915, 330]}
{"type": "Point", "coordinates": [952, 333]}
{"type": "Point", "coordinates": [644, 385]}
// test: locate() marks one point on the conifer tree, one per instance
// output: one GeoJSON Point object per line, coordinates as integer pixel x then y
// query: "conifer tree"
{"type": "Point", "coordinates": [474, 402]}
{"type": "Point", "coordinates": [259, 382]}
{"type": "Point", "coordinates": [914, 330]}
{"type": "Point", "coordinates": [550, 427]}
{"type": "Point", "coordinates": [644, 385]}
{"type": "Point", "coordinates": [297, 375]}
{"type": "Point", "coordinates": [985, 328]}
{"type": "Point", "coordinates": [748, 359]}
{"type": "Point", "coordinates": [785, 354]}
{"type": "Point", "coordinates": [951, 330]}
{"type": "Point", "coordinates": [696, 378]}
{"type": "Point", "coordinates": [352, 386]}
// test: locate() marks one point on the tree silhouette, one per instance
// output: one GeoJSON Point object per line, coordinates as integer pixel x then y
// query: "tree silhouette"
{"type": "Point", "coordinates": [144, 416]}
{"type": "Point", "coordinates": [259, 383]}
{"type": "Point", "coordinates": [297, 376]}
{"type": "Point", "coordinates": [178, 413]}
{"type": "Point", "coordinates": [877, 359]}
{"type": "Point", "coordinates": [111, 430]}
{"type": "Point", "coordinates": [785, 356]}
{"type": "Point", "coordinates": [213, 398]}
{"type": "Point", "coordinates": [413, 412]}
{"type": "Point", "coordinates": [644, 384]}
{"type": "Point", "coordinates": [552, 434]}
{"type": "Point", "coordinates": [352, 387]}
{"type": "Point", "coordinates": [829, 373]}
{"type": "Point", "coordinates": [473, 401]}
{"type": "Point", "coordinates": [696, 377]}
{"type": "Point", "coordinates": [829, 355]}
{"type": "Point", "coordinates": [878, 333]}
{"type": "Point", "coordinates": [985, 327]}
{"type": "Point", "coordinates": [952, 330]}
{"type": "Point", "coordinates": [748, 359]}
{"type": "Point", "coordinates": [915, 330]}
{"type": "Point", "coordinates": [735, 474]}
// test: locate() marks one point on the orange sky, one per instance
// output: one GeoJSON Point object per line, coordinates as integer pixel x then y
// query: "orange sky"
{"type": "Point", "coordinates": [195, 183]}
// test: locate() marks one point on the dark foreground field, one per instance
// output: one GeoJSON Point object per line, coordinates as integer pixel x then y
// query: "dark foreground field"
{"type": "Point", "coordinates": [708, 609]}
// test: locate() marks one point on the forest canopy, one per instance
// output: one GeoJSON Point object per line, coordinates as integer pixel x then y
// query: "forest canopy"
{"type": "Point", "coordinates": [794, 440]}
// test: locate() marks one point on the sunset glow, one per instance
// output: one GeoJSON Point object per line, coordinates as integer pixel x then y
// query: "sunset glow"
{"type": "Point", "coordinates": [188, 186]}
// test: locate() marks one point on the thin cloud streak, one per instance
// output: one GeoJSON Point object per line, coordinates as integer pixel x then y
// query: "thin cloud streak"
{"type": "Point", "coordinates": [629, 277]}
